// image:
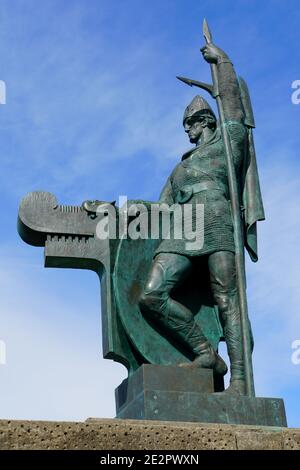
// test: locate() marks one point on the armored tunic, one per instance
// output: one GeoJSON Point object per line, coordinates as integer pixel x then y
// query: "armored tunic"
{"type": "Point", "coordinates": [201, 178]}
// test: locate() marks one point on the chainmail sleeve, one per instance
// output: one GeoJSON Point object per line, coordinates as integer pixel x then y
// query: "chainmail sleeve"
{"type": "Point", "coordinates": [166, 195]}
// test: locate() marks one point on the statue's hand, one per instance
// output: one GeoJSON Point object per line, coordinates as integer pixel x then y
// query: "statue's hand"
{"type": "Point", "coordinates": [212, 54]}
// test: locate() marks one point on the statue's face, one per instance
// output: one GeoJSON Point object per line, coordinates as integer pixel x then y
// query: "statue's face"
{"type": "Point", "coordinates": [193, 128]}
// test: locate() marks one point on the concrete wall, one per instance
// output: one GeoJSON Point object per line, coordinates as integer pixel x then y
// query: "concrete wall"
{"type": "Point", "coordinates": [116, 434]}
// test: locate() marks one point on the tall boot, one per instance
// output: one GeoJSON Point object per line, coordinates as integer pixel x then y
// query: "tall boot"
{"type": "Point", "coordinates": [206, 356]}
{"type": "Point", "coordinates": [178, 321]}
{"type": "Point", "coordinates": [233, 338]}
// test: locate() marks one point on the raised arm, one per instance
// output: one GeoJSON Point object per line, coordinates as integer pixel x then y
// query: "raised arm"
{"type": "Point", "coordinates": [228, 86]}
{"type": "Point", "coordinates": [229, 92]}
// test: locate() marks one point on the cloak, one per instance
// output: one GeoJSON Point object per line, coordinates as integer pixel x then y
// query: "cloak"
{"type": "Point", "coordinates": [252, 204]}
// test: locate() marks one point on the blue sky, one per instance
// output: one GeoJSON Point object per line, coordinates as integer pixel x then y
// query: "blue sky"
{"type": "Point", "coordinates": [93, 111]}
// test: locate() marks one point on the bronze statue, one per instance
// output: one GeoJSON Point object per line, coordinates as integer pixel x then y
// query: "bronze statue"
{"type": "Point", "coordinates": [202, 177]}
{"type": "Point", "coordinates": [166, 306]}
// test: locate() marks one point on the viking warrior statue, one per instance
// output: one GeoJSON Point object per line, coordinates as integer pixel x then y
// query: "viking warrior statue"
{"type": "Point", "coordinates": [203, 177]}
{"type": "Point", "coordinates": [172, 274]}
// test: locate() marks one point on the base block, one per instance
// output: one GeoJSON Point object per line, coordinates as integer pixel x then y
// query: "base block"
{"type": "Point", "coordinates": [121, 434]}
{"type": "Point", "coordinates": [171, 393]}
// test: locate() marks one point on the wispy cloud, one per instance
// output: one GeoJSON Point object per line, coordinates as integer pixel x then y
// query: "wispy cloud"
{"type": "Point", "coordinates": [273, 283]}
{"type": "Point", "coordinates": [54, 368]}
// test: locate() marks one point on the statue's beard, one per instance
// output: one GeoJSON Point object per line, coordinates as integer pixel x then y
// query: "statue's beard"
{"type": "Point", "coordinates": [194, 139]}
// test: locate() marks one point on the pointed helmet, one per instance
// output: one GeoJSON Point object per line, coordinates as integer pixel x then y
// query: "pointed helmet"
{"type": "Point", "coordinates": [198, 107]}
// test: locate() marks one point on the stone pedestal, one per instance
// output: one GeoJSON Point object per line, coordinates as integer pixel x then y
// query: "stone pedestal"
{"type": "Point", "coordinates": [119, 434]}
{"type": "Point", "coordinates": [171, 393]}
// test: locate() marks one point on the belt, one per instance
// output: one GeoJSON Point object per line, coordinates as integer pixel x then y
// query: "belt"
{"type": "Point", "coordinates": [186, 192]}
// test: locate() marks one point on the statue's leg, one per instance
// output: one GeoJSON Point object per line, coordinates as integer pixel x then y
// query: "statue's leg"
{"type": "Point", "coordinates": [167, 272]}
{"type": "Point", "coordinates": [223, 283]}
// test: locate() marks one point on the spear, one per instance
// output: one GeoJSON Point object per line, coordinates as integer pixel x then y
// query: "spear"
{"type": "Point", "coordinates": [236, 217]}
